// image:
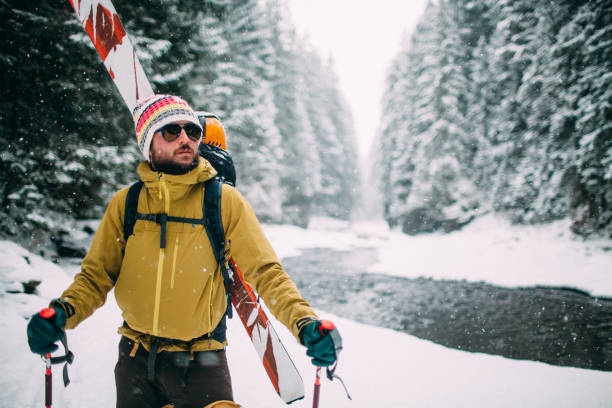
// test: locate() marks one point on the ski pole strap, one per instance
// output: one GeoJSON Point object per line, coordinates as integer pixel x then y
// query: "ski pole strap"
{"type": "Point", "coordinates": [67, 358]}
{"type": "Point", "coordinates": [328, 328]}
{"type": "Point", "coordinates": [331, 374]}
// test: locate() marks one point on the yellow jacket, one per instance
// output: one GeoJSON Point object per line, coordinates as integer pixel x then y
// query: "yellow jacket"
{"type": "Point", "coordinates": [178, 292]}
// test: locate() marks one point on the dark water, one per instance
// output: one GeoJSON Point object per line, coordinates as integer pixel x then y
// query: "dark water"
{"type": "Point", "coordinates": [553, 325]}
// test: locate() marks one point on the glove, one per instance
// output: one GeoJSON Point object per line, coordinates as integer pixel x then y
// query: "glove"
{"type": "Point", "coordinates": [320, 346]}
{"type": "Point", "coordinates": [43, 333]}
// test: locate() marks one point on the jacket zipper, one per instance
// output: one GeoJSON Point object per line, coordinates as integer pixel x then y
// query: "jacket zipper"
{"type": "Point", "coordinates": [176, 246]}
{"type": "Point", "coordinates": [162, 256]}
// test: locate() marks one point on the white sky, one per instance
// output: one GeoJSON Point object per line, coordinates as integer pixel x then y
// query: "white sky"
{"type": "Point", "coordinates": [363, 36]}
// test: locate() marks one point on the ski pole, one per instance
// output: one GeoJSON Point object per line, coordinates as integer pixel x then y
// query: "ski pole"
{"type": "Point", "coordinates": [327, 327]}
{"type": "Point", "coordinates": [324, 327]}
{"type": "Point", "coordinates": [48, 313]}
{"type": "Point", "coordinates": [317, 388]}
{"type": "Point", "coordinates": [48, 381]}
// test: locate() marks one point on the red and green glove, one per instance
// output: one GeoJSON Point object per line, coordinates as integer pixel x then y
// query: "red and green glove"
{"type": "Point", "coordinates": [47, 327]}
{"type": "Point", "coordinates": [318, 339]}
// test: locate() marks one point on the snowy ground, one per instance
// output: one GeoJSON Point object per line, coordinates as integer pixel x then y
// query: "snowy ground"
{"type": "Point", "coordinates": [381, 368]}
{"type": "Point", "coordinates": [489, 250]}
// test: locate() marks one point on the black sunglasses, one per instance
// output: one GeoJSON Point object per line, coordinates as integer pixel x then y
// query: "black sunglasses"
{"type": "Point", "coordinates": [172, 131]}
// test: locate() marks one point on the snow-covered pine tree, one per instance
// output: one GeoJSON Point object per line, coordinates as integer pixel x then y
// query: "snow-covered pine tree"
{"type": "Point", "coordinates": [211, 48]}
{"type": "Point", "coordinates": [339, 162]}
{"type": "Point", "coordinates": [162, 32]}
{"type": "Point", "coordinates": [480, 107]}
{"type": "Point", "coordinates": [393, 164]}
{"type": "Point", "coordinates": [583, 57]}
{"type": "Point", "coordinates": [530, 124]}
{"type": "Point", "coordinates": [334, 136]}
{"type": "Point", "coordinates": [244, 88]}
{"type": "Point", "coordinates": [536, 172]}
{"type": "Point", "coordinates": [431, 185]}
{"type": "Point", "coordinates": [62, 121]}
{"type": "Point", "coordinates": [301, 172]}
{"type": "Point", "coordinates": [513, 59]}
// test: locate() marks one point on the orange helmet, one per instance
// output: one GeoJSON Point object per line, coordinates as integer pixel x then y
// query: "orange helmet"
{"type": "Point", "coordinates": [214, 133]}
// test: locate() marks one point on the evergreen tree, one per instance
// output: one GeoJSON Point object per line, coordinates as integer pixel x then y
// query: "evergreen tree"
{"type": "Point", "coordinates": [584, 60]}
{"type": "Point", "coordinates": [393, 160]}
{"type": "Point", "coordinates": [501, 105]}
{"type": "Point", "coordinates": [434, 145]}
{"type": "Point", "coordinates": [334, 137]}
{"type": "Point", "coordinates": [67, 138]}
{"type": "Point", "coordinates": [301, 171]}
{"type": "Point", "coordinates": [162, 32]}
{"type": "Point", "coordinates": [57, 117]}
{"type": "Point", "coordinates": [244, 84]}
{"type": "Point", "coordinates": [513, 59]}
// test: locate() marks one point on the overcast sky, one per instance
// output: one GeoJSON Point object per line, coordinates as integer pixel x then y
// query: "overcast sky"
{"type": "Point", "coordinates": [363, 37]}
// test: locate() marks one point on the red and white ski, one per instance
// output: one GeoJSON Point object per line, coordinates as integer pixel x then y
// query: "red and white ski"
{"type": "Point", "coordinates": [110, 39]}
{"type": "Point", "coordinates": [277, 362]}
{"type": "Point", "coordinates": [102, 23]}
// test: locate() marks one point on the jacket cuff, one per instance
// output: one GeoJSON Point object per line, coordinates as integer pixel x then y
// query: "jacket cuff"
{"type": "Point", "coordinates": [67, 307]}
{"type": "Point", "coordinates": [303, 323]}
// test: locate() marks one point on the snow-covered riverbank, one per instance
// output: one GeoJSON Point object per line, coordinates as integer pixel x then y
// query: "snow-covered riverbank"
{"type": "Point", "coordinates": [381, 367]}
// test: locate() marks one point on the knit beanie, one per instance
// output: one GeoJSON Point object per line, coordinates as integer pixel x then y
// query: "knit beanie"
{"type": "Point", "coordinates": [156, 111]}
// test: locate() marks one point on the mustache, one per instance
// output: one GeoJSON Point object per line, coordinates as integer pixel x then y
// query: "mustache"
{"type": "Point", "coordinates": [184, 148]}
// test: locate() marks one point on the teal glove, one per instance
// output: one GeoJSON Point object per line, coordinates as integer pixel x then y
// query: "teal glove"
{"type": "Point", "coordinates": [319, 343]}
{"type": "Point", "coordinates": [44, 332]}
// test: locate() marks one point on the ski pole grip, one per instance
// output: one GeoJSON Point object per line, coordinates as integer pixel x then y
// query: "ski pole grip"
{"type": "Point", "coordinates": [326, 325]}
{"type": "Point", "coordinates": [47, 313]}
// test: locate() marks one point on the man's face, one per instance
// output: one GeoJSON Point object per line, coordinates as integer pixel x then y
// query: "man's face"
{"type": "Point", "coordinates": [176, 157]}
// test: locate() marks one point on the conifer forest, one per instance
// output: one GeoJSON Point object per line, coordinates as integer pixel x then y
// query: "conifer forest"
{"type": "Point", "coordinates": [67, 140]}
{"type": "Point", "coordinates": [500, 106]}
{"type": "Point", "coordinates": [491, 106]}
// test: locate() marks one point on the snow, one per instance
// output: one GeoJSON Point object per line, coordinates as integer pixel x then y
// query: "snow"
{"type": "Point", "coordinates": [489, 249]}
{"type": "Point", "coordinates": [380, 367]}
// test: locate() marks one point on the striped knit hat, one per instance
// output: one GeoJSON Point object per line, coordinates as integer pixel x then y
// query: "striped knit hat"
{"type": "Point", "coordinates": [156, 111]}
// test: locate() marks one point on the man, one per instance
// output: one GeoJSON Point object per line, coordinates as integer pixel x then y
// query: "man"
{"type": "Point", "coordinates": [167, 281]}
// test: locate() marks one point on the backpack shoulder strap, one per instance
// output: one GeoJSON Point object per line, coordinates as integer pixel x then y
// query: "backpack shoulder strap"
{"type": "Point", "coordinates": [131, 208]}
{"type": "Point", "coordinates": [211, 212]}
{"type": "Point", "coordinates": [213, 223]}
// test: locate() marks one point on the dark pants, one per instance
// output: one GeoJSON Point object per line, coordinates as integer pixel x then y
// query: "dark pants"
{"type": "Point", "coordinates": [207, 378]}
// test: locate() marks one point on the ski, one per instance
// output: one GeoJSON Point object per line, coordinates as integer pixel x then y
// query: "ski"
{"type": "Point", "coordinates": [275, 358]}
{"type": "Point", "coordinates": [101, 21]}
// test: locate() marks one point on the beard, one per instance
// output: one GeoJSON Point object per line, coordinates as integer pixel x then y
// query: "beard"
{"type": "Point", "coordinates": [170, 167]}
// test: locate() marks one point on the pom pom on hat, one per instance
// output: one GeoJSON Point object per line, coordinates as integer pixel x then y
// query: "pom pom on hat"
{"type": "Point", "coordinates": [156, 111]}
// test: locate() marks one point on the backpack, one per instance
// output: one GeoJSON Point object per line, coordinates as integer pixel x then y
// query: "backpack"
{"type": "Point", "coordinates": [221, 160]}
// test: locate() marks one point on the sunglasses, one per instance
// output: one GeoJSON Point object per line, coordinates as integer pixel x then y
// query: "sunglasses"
{"type": "Point", "coordinates": [172, 131]}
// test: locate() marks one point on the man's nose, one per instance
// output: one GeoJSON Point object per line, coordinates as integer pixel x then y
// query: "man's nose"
{"type": "Point", "coordinates": [183, 135]}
